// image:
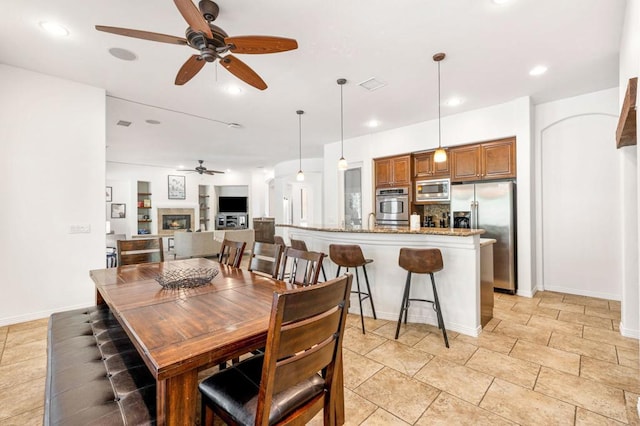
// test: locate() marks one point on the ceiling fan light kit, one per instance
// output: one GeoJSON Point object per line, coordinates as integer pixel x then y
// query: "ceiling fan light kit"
{"type": "Point", "coordinates": [342, 162]}
{"type": "Point", "coordinates": [300, 175]}
{"type": "Point", "coordinates": [212, 43]}
{"type": "Point", "coordinates": [440, 155]}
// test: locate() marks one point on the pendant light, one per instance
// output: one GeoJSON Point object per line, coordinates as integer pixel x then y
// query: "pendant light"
{"type": "Point", "coordinates": [300, 175]}
{"type": "Point", "coordinates": [440, 156]}
{"type": "Point", "coordinates": [342, 163]}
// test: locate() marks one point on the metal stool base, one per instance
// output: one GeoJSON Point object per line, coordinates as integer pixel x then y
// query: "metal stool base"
{"type": "Point", "coordinates": [435, 303]}
{"type": "Point", "coordinates": [361, 294]}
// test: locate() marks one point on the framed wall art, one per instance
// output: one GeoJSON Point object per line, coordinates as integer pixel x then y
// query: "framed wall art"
{"type": "Point", "coordinates": [108, 194]}
{"type": "Point", "coordinates": [177, 187]}
{"type": "Point", "coordinates": [118, 211]}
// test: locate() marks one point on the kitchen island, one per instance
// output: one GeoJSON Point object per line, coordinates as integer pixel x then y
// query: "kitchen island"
{"type": "Point", "coordinates": [458, 283]}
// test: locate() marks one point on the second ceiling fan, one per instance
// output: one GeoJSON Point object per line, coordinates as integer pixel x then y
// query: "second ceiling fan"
{"type": "Point", "coordinates": [212, 43]}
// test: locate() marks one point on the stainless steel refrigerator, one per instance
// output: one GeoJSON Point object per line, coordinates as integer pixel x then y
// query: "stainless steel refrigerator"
{"type": "Point", "coordinates": [491, 206]}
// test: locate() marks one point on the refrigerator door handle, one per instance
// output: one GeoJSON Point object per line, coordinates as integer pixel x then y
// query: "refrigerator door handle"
{"type": "Point", "coordinates": [474, 217]}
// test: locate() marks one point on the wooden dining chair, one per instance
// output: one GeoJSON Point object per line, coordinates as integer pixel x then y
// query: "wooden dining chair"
{"type": "Point", "coordinates": [298, 375]}
{"type": "Point", "coordinates": [231, 252]}
{"type": "Point", "coordinates": [265, 258]}
{"type": "Point", "coordinates": [132, 252]}
{"type": "Point", "coordinates": [301, 267]}
{"type": "Point", "coordinates": [301, 245]}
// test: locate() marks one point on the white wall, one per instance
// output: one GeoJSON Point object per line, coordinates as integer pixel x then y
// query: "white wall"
{"type": "Point", "coordinates": [630, 180]}
{"type": "Point", "coordinates": [508, 119]}
{"type": "Point", "coordinates": [579, 231]}
{"type": "Point", "coordinates": [285, 186]}
{"type": "Point", "coordinates": [52, 167]}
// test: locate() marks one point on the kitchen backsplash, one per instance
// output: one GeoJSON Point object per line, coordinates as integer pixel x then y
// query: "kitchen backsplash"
{"type": "Point", "coordinates": [434, 210]}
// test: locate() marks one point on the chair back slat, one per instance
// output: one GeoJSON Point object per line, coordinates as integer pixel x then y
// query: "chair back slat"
{"type": "Point", "coordinates": [265, 258]}
{"type": "Point", "coordinates": [319, 312]}
{"type": "Point", "coordinates": [132, 252]}
{"type": "Point", "coordinates": [301, 267]}
{"type": "Point", "coordinates": [290, 371]}
{"type": "Point", "coordinates": [305, 335]}
{"type": "Point", "coordinates": [231, 252]}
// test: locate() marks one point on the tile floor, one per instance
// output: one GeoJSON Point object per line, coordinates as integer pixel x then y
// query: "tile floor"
{"type": "Point", "coordinates": [554, 359]}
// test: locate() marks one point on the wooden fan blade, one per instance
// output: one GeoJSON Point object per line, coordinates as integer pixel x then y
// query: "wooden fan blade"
{"type": "Point", "coordinates": [213, 172]}
{"type": "Point", "coordinates": [241, 70]}
{"type": "Point", "coordinates": [145, 35]}
{"type": "Point", "coordinates": [260, 44]}
{"type": "Point", "coordinates": [189, 69]}
{"type": "Point", "coordinates": [194, 18]}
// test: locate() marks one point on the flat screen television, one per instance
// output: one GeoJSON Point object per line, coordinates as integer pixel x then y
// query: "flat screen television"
{"type": "Point", "coordinates": [232, 204]}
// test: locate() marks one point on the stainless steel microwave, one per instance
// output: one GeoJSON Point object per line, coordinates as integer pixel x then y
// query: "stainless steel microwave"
{"type": "Point", "coordinates": [433, 190]}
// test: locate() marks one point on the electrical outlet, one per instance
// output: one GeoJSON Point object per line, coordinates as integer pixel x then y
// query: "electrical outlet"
{"type": "Point", "coordinates": [79, 229]}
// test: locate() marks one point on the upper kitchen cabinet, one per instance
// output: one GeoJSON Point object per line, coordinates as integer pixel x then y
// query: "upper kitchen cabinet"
{"type": "Point", "coordinates": [425, 167]}
{"type": "Point", "coordinates": [489, 160]}
{"type": "Point", "coordinates": [393, 171]}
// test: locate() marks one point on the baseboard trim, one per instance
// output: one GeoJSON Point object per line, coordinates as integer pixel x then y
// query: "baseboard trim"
{"type": "Point", "coordinates": [629, 332]}
{"type": "Point", "coordinates": [31, 316]}
{"type": "Point", "coordinates": [581, 292]}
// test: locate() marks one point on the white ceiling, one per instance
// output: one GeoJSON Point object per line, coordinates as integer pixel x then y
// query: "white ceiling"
{"type": "Point", "coordinates": [490, 49]}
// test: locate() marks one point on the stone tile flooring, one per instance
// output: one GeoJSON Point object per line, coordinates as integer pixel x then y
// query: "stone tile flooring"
{"type": "Point", "coordinates": [551, 360]}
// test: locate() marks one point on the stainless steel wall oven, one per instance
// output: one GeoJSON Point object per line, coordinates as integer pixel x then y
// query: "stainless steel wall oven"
{"type": "Point", "coordinates": [392, 207]}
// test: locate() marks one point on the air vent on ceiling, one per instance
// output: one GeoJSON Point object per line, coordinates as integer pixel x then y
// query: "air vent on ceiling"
{"type": "Point", "coordinates": [372, 84]}
{"type": "Point", "coordinates": [123, 123]}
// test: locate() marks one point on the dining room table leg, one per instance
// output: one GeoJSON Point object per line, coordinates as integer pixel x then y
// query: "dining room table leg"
{"type": "Point", "coordinates": [176, 399]}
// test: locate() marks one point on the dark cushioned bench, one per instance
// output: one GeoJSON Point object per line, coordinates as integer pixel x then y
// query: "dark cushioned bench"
{"type": "Point", "coordinates": [94, 373]}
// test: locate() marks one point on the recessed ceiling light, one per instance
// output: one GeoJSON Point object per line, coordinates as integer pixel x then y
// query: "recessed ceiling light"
{"type": "Point", "coordinates": [123, 123]}
{"type": "Point", "coordinates": [124, 54]}
{"type": "Point", "coordinates": [501, 1]}
{"type": "Point", "coordinates": [181, 166]}
{"type": "Point", "coordinates": [453, 102]}
{"type": "Point", "coordinates": [228, 170]}
{"type": "Point", "coordinates": [54, 29]}
{"type": "Point", "coordinates": [234, 90]}
{"type": "Point", "coordinates": [233, 125]}
{"type": "Point", "coordinates": [373, 123]}
{"type": "Point", "coordinates": [152, 121]}
{"type": "Point", "coordinates": [538, 70]}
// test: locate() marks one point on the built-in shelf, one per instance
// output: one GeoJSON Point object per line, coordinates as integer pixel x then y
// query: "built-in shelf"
{"type": "Point", "coordinates": [144, 208]}
{"type": "Point", "coordinates": [626, 131]}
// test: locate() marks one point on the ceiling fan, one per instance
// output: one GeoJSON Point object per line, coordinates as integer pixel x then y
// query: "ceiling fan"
{"type": "Point", "coordinates": [212, 43]}
{"type": "Point", "coordinates": [203, 170]}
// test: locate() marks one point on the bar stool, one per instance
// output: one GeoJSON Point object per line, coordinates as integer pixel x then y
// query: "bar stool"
{"type": "Point", "coordinates": [421, 261]}
{"type": "Point", "coordinates": [350, 256]}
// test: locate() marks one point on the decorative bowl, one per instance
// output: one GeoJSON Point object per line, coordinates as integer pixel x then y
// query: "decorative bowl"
{"type": "Point", "coordinates": [186, 278]}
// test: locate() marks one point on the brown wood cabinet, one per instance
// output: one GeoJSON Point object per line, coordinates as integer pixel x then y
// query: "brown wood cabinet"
{"type": "Point", "coordinates": [425, 167]}
{"type": "Point", "coordinates": [393, 171]}
{"type": "Point", "coordinates": [488, 160]}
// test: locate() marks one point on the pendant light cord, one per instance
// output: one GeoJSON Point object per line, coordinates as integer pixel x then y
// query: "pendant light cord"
{"type": "Point", "coordinates": [300, 140]}
{"type": "Point", "coordinates": [439, 135]}
{"type": "Point", "coordinates": [341, 124]}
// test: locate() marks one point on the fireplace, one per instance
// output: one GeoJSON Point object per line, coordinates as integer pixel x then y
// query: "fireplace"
{"type": "Point", "coordinates": [176, 222]}
{"type": "Point", "coordinates": [171, 220]}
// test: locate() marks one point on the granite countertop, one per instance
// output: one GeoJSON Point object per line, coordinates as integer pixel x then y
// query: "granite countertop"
{"type": "Point", "coordinates": [455, 232]}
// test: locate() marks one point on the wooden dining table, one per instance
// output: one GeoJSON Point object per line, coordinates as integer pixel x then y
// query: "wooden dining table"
{"type": "Point", "coordinates": [183, 331]}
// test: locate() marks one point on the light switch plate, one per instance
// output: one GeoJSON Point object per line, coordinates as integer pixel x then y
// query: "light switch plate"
{"type": "Point", "coordinates": [79, 229]}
